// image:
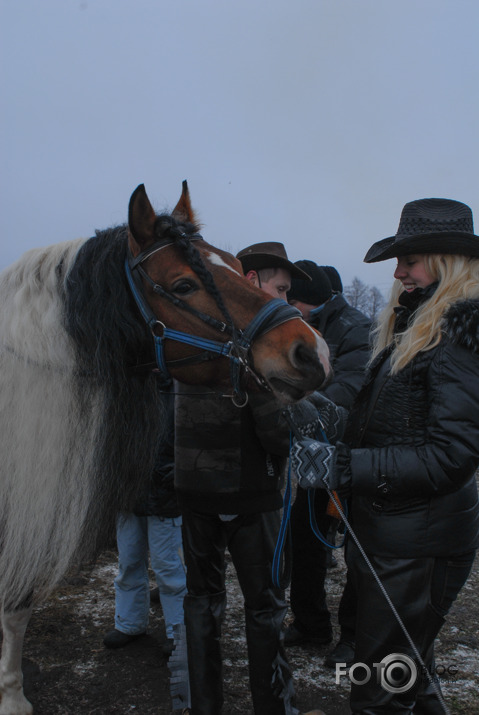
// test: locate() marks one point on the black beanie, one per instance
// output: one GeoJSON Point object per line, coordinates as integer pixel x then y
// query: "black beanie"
{"type": "Point", "coordinates": [315, 293]}
{"type": "Point", "coordinates": [334, 278]}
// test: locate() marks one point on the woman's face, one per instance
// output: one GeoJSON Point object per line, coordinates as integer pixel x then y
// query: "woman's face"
{"type": "Point", "coordinates": [412, 272]}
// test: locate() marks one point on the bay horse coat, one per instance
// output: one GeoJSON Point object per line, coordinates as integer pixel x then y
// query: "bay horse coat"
{"type": "Point", "coordinates": [81, 415]}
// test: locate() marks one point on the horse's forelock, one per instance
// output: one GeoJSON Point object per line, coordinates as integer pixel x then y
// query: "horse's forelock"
{"type": "Point", "coordinates": [168, 227]}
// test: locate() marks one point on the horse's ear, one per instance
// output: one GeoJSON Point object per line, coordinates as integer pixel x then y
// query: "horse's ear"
{"type": "Point", "coordinates": [183, 211]}
{"type": "Point", "coordinates": [141, 221]}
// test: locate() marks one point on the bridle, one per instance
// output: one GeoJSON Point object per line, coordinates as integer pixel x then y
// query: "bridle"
{"type": "Point", "coordinates": [237, 348]}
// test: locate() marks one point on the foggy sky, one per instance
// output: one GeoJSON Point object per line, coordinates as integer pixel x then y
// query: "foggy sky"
{"type": "Point", "coordinates": [310, 123]}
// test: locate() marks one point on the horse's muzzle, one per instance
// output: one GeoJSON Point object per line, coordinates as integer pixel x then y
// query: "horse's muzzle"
{"type": "Point", "coordinates": [311, 377]}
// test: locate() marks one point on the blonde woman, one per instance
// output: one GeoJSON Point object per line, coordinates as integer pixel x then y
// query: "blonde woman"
{"type": "Point", "coordinates": [409, 457]}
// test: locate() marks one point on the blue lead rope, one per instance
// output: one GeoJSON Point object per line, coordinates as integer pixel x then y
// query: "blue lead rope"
{"type": "Point", "coordinates": [314, 525]}
{"type": "Point", "coordinates": [282, 580]}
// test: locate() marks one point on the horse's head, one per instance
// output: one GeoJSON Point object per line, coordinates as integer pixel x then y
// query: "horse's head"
{"type": "Point", "coordinates": [189, 288]}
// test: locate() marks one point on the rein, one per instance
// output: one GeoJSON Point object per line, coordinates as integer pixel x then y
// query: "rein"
{"type": "Point", "coordinates": [237, 349]}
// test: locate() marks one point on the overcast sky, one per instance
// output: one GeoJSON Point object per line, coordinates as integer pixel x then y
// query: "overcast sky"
{"type": "Point", "coordinates": [309, 122]}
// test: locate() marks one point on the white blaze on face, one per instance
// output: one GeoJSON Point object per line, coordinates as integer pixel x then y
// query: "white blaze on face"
{"type": "Point", "coordinates": [323, 351]}
{"type": "Point", "coordinates": [218, 261]}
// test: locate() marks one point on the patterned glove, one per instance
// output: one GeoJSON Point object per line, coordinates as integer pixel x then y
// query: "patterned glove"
{"type": "Point", "coordinates": [318, 418]}
{"type": "Point", "coordinates": [332, 417]}
{"type": "Point", "coordinates": [318, 465]}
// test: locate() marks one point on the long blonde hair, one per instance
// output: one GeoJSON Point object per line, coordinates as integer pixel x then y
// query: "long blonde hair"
{"type": "Point", "coordinates": [458, 279]}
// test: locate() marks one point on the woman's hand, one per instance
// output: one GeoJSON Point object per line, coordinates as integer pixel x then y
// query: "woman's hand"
{"type": "Point", "coordinates": [318, 465]}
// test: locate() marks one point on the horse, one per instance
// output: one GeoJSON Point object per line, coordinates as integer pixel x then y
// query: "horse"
{"type": "Point", "coordinates": [92, 331]}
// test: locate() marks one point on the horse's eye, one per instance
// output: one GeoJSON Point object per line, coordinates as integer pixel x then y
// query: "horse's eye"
{"type": "Point", "coordinates": [183, 287]}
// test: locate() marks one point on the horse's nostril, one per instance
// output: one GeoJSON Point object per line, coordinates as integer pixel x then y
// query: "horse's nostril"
{"type": "Point", "coordinates": [305, 357]}
{"type": "Point", "coordinates": [308, 362]}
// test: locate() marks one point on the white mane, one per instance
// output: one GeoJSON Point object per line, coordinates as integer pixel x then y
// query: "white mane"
{"type": "Point", "coordinates": [44, 472]}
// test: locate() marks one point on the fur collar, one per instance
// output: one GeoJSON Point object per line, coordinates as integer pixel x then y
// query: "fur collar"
{"type": "Point", "coordinates": [461, 324]}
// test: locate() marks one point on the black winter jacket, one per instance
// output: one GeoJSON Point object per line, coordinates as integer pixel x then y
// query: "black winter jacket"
{"type": "Point", "coordinates": [346, 331]}
{"type": "Point", "coordinates": [160, 497]}
{"type": "Point", "coordinates": [415, 447]}
{"type": "Point", "coordinates": [231, 460]}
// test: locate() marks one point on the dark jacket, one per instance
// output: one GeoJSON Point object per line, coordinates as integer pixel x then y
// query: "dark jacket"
{"type": "Point", "coordinates": [346, 331]}
{"type": "Point", "coordinates": [415, 440]}
{"type": "Point", "coordinates": [160, 497]}
{"type": "Point", "coordinates": [231, 460]}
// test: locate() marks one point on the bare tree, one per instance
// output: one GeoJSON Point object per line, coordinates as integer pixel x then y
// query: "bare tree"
{"type": "Point", "coordinates": [357, 294]}
{"type": "Point", "coordinates": [376, 303]}
{"type": "Point", "coordinates": [369, 301]}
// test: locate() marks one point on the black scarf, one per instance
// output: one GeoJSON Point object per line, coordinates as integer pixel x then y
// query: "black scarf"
{"type": "Point", "coordinates": [409, 303]}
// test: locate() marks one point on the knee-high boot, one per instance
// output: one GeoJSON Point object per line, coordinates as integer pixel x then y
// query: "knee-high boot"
{"type": "Point", "coordinates": [203, 619]}
{"type": "Point", "coordinates": [271, 681]}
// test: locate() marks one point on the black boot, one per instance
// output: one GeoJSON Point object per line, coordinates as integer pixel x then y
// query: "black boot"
{"type": "Point", "coordinates": [343, 652]}
{"type": "Point", "coordinates": [203, 619]}
{"type": "Point", "coordinates": [271, 682]}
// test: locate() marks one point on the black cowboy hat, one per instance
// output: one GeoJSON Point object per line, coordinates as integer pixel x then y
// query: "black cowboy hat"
{"type": "Point", "coordinates": [269, 255]}
{"type": "Point", "coordinates": [429, 226]}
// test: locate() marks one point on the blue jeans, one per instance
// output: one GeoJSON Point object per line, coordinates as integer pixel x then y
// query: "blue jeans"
{"type": "Point", "coordinates": [136, 535]}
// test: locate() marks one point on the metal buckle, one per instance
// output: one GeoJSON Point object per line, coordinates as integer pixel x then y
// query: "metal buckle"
{"type": "Point", "coordinates": [239, 353]}
{"type": "Point", "coordinates": [235, 400]}
{"type": "Point", "coordinates": [162, 327]}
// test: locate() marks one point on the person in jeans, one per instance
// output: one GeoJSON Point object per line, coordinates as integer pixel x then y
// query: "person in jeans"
{"type": "Point", "coordinates": [154, 530]}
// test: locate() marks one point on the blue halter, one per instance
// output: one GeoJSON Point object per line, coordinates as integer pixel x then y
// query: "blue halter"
{"type": "Point", "coordinates": [237, 348]}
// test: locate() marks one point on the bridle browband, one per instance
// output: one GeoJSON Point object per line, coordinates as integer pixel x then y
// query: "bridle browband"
{"type": "Point", "coordinates": [237, 349]}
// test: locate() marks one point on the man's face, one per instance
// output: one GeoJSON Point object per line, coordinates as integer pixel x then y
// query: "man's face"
{"type": "Point", "coordinates": [305, 308]}
{"type": "Point", "coordinates": [276, 285]}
